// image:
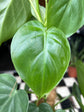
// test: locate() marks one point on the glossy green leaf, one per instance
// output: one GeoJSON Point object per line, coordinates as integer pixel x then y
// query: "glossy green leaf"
{"type": "Point", "coordinates": [80, 75]}
{"type": "Point", "coordinates": [40, 56]}
{"type": "Point", "coordinates": [44, 107]}
{"type": "Point", "coordinates": [11, 100]}
{"type": "Point", "coordinates": [66, 15]}
{"type": "Point", "coordinates": [13, 13]}
{"type": "Point", "coordinates": [60, 110]}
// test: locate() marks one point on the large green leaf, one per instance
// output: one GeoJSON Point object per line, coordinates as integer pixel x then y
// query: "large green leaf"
{"type": "Point", "coordinates": [44, 107]}
{"type": "Point", "coordinates": [13, 13]}
{"type": "Point", "coordinates": [66, 15]}
{"type": "Point", "coordinates": [80, 75]}
{"type": "Point", "coordinates": [40, 56]}
{"type": "Point", "coordinates": [11, 100]}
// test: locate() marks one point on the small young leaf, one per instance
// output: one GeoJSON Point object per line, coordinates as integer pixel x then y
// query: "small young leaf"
{"type": "Point", "coordinates": [66, 15]}
{"type": "Point", "coordinates": [13, 13]}
{"type": "Point", "coordinates": [40, 56]}
{"type": "Point", "coordinates": [11, 100]}
{"type": "Point", "coordinates": [44, 107]}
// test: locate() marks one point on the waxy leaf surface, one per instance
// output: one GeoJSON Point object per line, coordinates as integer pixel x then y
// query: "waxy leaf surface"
{"type": "Point", "coordinates": [66, 15]}
{"type": "Point", "coordinates": [40, 56]}
{"type": "Point", "coordinates": [13, 13]}
{"type": "Point", "coordinates": [12, 100]}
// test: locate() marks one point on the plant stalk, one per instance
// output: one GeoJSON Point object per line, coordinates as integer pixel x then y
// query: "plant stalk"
{"type": "Point", "coordinates": [46, 4]}
{"type": "Point", "coordinates": [38, 16]}
{"type": "Point", "coordinates": [62, 100]}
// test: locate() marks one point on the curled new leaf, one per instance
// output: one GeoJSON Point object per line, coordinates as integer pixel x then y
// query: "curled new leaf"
{"type": "Point", "coordinates": [13, 13]}
{"type": "Point", "coordinates": [66, 15]}
{"type": "Point", "coordinates": [40, 56]}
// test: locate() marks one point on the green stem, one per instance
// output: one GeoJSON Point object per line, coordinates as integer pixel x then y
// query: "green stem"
{"type": "Point", "coordinates": [38, 16]}
{"type": "Point", "coordinates": [30, 92]}
{"type": "Point", "coordinates": [45, 24]}
{"type": "Point", "coordinates": [62, 100]}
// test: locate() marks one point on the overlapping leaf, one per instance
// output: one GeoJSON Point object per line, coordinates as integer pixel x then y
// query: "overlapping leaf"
{"type": "Point", "coordinates": [40, 56]}
{"type": "Point", "coordinates": [66, 15]}
{"type": "Point", "coordinates": [13, 13]}
{"type": "Point", "coordinates": [44, 107]}
{"type": "Point", "coordinates": [11, 100]}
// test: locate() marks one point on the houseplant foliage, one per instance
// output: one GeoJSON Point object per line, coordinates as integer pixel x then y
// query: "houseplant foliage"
{"type": "Point", "coordinates": [11, 99]}
{"type": "Point", "coordinates": [80, 75]}
{"type": "Point", "coordinates": [13, 14]}
{"type": "Point", "coordinates": [77, 93]}
{"type": "Point", "coordinates": [44, 107]}
{"type": "Point", "coordinates": [43, 51]}
{"type": "Point", "coordinates": [40, 50]}
{"type": "Point", "coordinates": [76, 54]}
{"type": "Point", "coordinates": [66, 12]}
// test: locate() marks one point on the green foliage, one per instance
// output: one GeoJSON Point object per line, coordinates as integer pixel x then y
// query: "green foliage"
{"type": "Point", "coordinates": [60, 110]}
{"type": "Point", "coordinates": [80, 75]}
{"type": "Point", "coordinates": [13, 14]}
{"type": "Point", "coordinates": [66, 15]}
{"type": "Point", "coordinates": [44, 107]}
{"type": "Point", "coordinates": [37, 11]}
{"type": "Point", "coordinates": [40, 50]}
{"type": "Point", "coordinates": [40, 56]}
{"type": "Point", "coordinates": [11, 100]}
{"type": "Point", "coordinates": [76, 54]}
{"type": "Point", "coordinates": [76, 92]}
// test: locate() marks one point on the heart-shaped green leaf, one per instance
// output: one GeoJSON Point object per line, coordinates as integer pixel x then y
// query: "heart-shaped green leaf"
{"type": "Point", "coordinates": [13, 13]}
{"type": "Point", "coordinates": [66, 15]}
{"type": "Point", "coordinates": [44, 107]}
{"type": "Point", "coordinates": [11, 100]}
{"type": "Point", "coordinates": [40, 56]}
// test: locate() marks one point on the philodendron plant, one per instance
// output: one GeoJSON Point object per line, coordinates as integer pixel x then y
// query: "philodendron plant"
{"type": "Point", "coordinates": [39, 50]}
